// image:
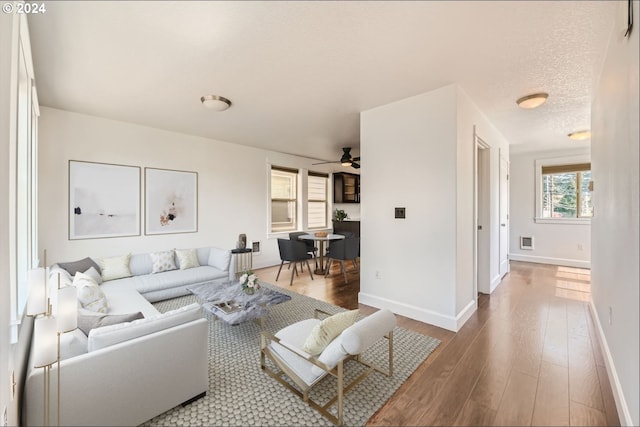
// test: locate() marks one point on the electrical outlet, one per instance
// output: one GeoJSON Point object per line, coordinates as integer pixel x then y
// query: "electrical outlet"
{"type": "Point", "coordinates": [377, 274]}
{"type": "Point", "coordinates": [610, 315]}
{"type": "Point", "coordinates": [580, 248]}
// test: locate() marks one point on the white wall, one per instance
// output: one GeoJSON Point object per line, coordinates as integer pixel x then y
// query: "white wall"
{"type": "Point", "coordinates": [232, 184]}
{"type": "Point", "coordinates": [6, 36]}
{"type": "Point", "coordinates": [421, 266]}
{"type": "Point", "coordinates": [615, 278]}
{"type": "Point", "coordinates": [557, 244]}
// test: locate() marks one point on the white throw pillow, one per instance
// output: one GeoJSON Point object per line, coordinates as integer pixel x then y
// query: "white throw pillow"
{"type": "Point", "coordinates": [163, 261]}
{"type": "Point", "coordinates": [324, 332]}
{"type": "Point", "coordinates": [219, 258]}
{"type": "Point", "coordinates": [94, 275]}
{"type": "Point", "coordinates": [187, 258]}
{"type": "Point", "coordinates": [115, 267]}
{"type": "Point", "coordinates": [90, 295]}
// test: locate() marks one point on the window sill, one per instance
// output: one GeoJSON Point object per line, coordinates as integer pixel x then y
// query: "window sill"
{"type": "Point", "coordinates": [566, 221]}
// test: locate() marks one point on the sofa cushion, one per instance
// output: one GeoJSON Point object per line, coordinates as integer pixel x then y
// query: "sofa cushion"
{"type": "Point", "coordinates": [115, 267]}
{"type": "Point", "coordinates": [325, 331]}
{"type": "Point", "coordinates": [114, 334]}
{"type": "Point", "coordinates": [124, 299]}
{"type": "Point", "coordinates": [95, 275]}
{"type": "Point", "coordinates": [163, 261]}
{"type": "Point", "coordinates": [187, 258]}
{"type": "Point", "coordinates": [294, 336]}
{"type": "Point", "coordinates": [90, 295]}
{"type": "Point", "coordinates": [89, 320]}
{"type": "Point", "coordinates": [172, 279]}
{"type": "Point", "coordinates": [81, 265]}
{"type": "Point", "coordinates": [73, 344]}
{"type": "Point", "coordinates": [219, 258]}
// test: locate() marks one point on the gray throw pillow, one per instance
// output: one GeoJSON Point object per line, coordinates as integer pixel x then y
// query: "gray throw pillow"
{"type": "Point", "coordinates": [81, 265]}
{"type": "Point", "coordinates": [87, 322]}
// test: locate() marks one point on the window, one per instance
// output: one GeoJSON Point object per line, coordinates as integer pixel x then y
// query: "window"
{"type": "Point", "coordinates": [284, 203]}
{"type": "Point", "coordinates": [317, 200]}
{"type": "Point", "coordinates": [564, 191]}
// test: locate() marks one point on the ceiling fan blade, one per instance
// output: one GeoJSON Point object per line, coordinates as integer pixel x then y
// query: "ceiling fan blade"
{"type": "Point", "coordinates": [323, 163]}
{"type": "Point", "coordinates": [355, 165]}
{"type": "Point", "coordinates": [356, 159]}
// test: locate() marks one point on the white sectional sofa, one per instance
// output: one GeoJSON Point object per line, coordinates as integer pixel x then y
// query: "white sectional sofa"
{"type": "Point", "coordinates": [127, 373]}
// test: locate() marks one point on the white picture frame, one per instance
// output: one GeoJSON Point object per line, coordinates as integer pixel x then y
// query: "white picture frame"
{"type": "Point", "coordinates": [104, 200]}
{"type": "Point", "coordinates": [171, 201]}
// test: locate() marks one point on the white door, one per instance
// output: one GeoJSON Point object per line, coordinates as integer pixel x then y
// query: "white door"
{"type": "Point", "coordinates": [504, 216]}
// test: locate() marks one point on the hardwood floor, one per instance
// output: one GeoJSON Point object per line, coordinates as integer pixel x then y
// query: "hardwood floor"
{"type": "Point", "coordinates": [528, 356]}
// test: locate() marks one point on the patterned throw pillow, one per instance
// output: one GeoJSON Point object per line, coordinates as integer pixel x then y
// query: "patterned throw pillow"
{"type": "Point", "coordinates": [90, 295]}
{"type": "Point", "coordinates": [187, 258]}
{"type": "Point", "coordinates": [324, 332]}
{"type": "Point", "coordinates": [163, 261]}
{"type": "Point", "coordinates": [115, 267]}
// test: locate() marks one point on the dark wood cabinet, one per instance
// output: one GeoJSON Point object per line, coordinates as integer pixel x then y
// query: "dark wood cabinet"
{"type": "Point", "coordinates": [346, 187]}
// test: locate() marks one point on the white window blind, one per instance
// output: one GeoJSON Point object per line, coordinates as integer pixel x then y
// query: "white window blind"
{"type": "Point", "coordinates": [283, 199]}
{"type": "Point", "coordinates": [317, 200]}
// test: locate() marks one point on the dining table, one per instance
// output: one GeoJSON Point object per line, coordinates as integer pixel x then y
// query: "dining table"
{"type": "Point", "coordinates": [321, 241]}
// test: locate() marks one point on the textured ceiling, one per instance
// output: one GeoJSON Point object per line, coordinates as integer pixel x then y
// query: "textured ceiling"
{"type": "Point", "coordinates": [299, 73]}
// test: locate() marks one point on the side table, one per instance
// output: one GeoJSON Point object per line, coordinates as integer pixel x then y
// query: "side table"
{"type": "Point", "coordinates": [243, 260]}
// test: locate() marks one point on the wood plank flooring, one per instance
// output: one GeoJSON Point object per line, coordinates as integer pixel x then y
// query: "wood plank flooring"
{"type": "Point", "coordinates": [528, 356]}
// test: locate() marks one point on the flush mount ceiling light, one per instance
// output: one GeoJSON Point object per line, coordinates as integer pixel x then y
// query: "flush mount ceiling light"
{"type": "Point", "coordinates": [532, 101]}
{"type": "Point", "coordinates": [580, 135]}
{"type": "Point", "coordinates": [215, 102]}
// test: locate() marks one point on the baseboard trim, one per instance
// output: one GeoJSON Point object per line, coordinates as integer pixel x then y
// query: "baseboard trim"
{"type": "Point", "coordinates": [618, 394]}
{"type": "Point", "coordinates": [549, 260]}
{"type": "Point", "coordinates": [411, 311]}
{"type": "Point", "coordinates": [465, 314]}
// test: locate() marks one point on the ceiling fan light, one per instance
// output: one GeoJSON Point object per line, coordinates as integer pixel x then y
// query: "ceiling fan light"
{"type": "Point", "coordinates": [532, 101]}
{"type": "Point", "coordinates": [580, 135]}
{"type": "Point", "coordinates": [346, 163]}
{"type": "Point", "coordinates": [215, 102]}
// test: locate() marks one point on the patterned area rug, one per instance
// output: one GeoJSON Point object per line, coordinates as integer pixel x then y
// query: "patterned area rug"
{"type": "Point", "coordinates": [241, 394]}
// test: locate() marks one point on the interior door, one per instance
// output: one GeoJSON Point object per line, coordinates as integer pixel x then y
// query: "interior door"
{"type": "Point", "coordinates": [504, 216]}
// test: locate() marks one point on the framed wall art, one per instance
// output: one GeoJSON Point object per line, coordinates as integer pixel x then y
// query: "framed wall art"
{"type": "Point", "coordinates": [171, 201]}
{"type": "Point", "coordinates": [104, 200]}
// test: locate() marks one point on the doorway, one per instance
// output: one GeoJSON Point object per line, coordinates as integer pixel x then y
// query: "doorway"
{"type": "Point", "coordinates": [504, 216]}
{"type": "Point", "coordinates": [482, 225]}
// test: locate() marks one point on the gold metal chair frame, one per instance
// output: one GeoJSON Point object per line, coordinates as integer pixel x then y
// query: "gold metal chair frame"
{"type": "Point", "coordinates": [338, 372]}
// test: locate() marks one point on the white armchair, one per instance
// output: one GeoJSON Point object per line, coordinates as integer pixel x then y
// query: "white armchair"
{"type": "Point", "coordinates": [284, 349]}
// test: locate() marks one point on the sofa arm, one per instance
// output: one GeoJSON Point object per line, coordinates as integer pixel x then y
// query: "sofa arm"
{"type": "Point", "coordinates": [126, 383]}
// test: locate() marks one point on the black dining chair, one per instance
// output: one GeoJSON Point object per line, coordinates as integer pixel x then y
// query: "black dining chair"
{"type": "Point", "coordinates": [342, 250]}
{"type": "Point", "coordinates": [293, 252]}
{"type": "Point", "coordinates": [311, 248]}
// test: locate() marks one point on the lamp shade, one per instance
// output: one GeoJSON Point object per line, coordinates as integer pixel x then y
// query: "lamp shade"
{"type": "Point", "coordinates": [67, 313]}
{"type": "Point", "coordinates": [45, 351]}
{"type": "Point", "coordinates": [37, 302]}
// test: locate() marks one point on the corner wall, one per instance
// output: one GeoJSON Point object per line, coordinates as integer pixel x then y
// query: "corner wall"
{"type": "Point", "coordinates": [557, 244]}
{"type": "Point", "coordinates": [420, 153]}
{"type": "Point", "coordinates": [615, 227]}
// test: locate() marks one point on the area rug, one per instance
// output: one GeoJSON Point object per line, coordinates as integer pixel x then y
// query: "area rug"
{"type": "Point", "coordinates": [241, 394]}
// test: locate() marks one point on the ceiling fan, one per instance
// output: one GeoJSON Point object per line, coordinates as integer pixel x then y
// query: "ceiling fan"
{"type": "Point", "coordinates": [346, 159]}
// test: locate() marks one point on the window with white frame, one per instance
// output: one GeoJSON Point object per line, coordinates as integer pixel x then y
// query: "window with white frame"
{"type": "Point", "coordinates": [564, 191]}
{"type": "Point", "coordinates": [284, 201]}
{"type": "Point", "coordinates": [317, 187]}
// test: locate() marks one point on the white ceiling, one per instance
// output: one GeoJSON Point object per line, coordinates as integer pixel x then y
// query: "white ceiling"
{"type": "Point", "coordinates": [299, 73]}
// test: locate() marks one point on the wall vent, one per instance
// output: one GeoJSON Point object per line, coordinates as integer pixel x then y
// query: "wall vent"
{"type": "Point", "coordinates": [526, 243]}
{"type": "Point", "coordinates": [255, 246]}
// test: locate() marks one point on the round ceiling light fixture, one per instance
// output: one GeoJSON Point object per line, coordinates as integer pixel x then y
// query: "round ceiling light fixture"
{"type": "Point", "coordinates": [215, 102]}
{"type": "Point", "coordinates": [580, 135]}
{"type": "Point", "coordinates": [532, 101]}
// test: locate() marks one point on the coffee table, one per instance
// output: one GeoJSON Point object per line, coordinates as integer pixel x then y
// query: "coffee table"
{"type": "Point", "coordinates": [231, 304]}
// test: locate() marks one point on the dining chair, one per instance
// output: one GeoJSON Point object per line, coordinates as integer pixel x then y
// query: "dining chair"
{"type": "Point", "coordinates": [342, 250]}
{"type": "Point", "coordinates": [311, 248]}
{"type": "Point", "coordinates": [293, 251]}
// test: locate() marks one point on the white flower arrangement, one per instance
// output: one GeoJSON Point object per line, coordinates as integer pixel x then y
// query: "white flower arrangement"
{"type": "Point", "coordinates": [249, 281]}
